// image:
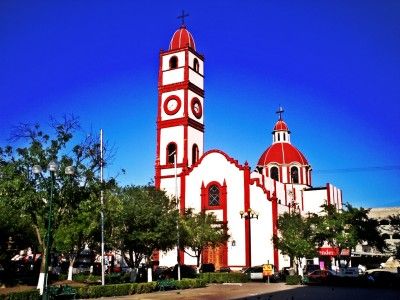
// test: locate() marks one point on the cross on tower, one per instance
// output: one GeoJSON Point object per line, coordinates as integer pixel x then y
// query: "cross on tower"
{"type": "Point", "coordinates": [280, 112]}
{"type": "Point", "coordinates": [183, 17]}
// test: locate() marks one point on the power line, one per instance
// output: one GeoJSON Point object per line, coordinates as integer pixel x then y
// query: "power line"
{"type": "Point", "coordinates": [359, 169]}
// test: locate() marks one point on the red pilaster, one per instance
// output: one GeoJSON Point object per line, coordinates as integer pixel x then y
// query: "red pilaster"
{"type": "Point", "coordinates": [275, 227]}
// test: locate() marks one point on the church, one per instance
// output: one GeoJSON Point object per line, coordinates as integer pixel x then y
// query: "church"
{"type": "Point", "coordinates": [249, 200]}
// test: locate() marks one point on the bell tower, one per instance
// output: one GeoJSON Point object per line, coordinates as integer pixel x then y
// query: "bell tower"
{"type": "Point", "coordinates": [180, 117]}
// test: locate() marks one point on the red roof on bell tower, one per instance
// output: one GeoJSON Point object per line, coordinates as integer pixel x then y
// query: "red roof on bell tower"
{"type": "Point", "coordinates": [182, 38]}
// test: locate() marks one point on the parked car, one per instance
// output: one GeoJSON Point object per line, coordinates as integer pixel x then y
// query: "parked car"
{"type": "Point", "coordinates": [186, 272]}
{"type": "Point", "coordinates": [310, 268]}
{"type": "Point", "coordinates": [206, 268]}
{"type": "Point", "coordinates": [162, 272]}
{"type": "Point", "coordinates": [320, 277]}
{"type": "Point", "coordinates": [256, 273]}
{"type": "Point", "coordinates": [381, 278]}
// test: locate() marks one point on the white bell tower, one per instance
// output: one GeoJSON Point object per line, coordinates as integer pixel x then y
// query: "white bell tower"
{"type": "Point", "coordinates": [180, 118]}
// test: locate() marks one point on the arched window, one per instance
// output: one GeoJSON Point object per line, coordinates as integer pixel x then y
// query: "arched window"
{"type": "Point", "coordinates": [171, 152]}
{"type": "Point", "coordinates": [279, 137]}
{"type": "Point", "coordinates": [294, 174]}
{"type": "Point", "coordinates": [196, 65]}
{"type": "Point", "coordinates": [274, 173]}
{"type": "Point", "coordinates": [195, 153]}
{"type": "Point", "coordinates": [214, 196]}
{"type": "Point", "coordinates": [173, 62]}
{"type": "Point", "coordinates": [284, 136]}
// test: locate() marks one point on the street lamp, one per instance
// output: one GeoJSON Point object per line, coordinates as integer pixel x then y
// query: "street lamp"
{"type": "Point", "coordinates": [247, 216]}
{"type": "Point", "coordinates": [37, 170]}
{"type": "Point", "coordinates": [177, 206]}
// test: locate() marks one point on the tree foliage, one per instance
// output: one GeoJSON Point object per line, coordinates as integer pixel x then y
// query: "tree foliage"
{"type": "Point", "coordinates": [345, 228]}
{"type": "Point", "coordinates": [29, 194]}
{"type": "Point", "coordinates": [140, 220]}
{"type": "Point", "coordinates": [200, 230]}
{"type": "Point", "coordinates": [296, 236]}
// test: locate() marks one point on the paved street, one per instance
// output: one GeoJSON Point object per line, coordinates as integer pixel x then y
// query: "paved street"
{"type": "Point", "coordinates": [274, 291]}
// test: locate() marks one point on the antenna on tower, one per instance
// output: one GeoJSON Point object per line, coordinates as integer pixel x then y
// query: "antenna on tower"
{"type": "Point", "coordinates": [183, 16]}
{"type": "Point", "coordinates": [280, 112]}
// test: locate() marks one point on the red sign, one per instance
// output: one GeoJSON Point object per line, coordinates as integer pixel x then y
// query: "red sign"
{"type": "Point", "coordinates": [333, 251]}
{"type": "Point", "coordinates": [328, 251]}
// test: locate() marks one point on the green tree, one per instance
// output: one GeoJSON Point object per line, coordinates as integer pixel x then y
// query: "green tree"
{"type": "Point", "coordinates": [201, 230]}
{"type": "Point", "coordinates": [296, 236]}
{"type": "Point", "coordinates": [29, 194]}
{"type": "Point", "coordinates": [141, 220]}
{"type": "Point", "coordinates": [345, 228]}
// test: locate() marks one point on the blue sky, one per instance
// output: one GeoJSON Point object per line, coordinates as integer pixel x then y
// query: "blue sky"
{"type": "Point", "coordinates": [333, 65]}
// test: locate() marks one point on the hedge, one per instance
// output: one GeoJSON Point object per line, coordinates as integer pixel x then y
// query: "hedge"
{"type": "Point", "coordinates": [25, 295]}
{"type": "Point", "coordinates": [293, 279]}
{"type": "Point", "coordinates": [110, 290]}
{"type": "Point", "coordinates": [223, 277]}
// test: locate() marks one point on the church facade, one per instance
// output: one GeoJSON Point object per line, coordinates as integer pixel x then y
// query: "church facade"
{"type": "Point", "coordinates": [249, 202]}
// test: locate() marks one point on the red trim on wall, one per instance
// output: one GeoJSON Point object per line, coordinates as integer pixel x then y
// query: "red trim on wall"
{"type": "Point", "coordinates": [223, 206]}
{"type": "Point", "coordinates": [227, 157]}
{"type": "Point", "coordinates": [177, 108]}
{"type": "Point", "coordinates": [168, 52]}
{"type": "Point", "coordinates": [280, 174]}
{"type": "Point", "coordinates": [193, 103]}
{"type": "Point", "coordinates": [285, 189]}
{"type": "Point", "coordinates": [288, 174]}
{"type": "Point", "coordinates": [301, 170]}
{"type": "Point", "coordinates": [157, 162]}
{"type": "Point", "coordinates": [180, 122]}
{"type": "Point", "coordinates": [328, 190]}
{"type": "Point", "coordinates": [184, 85]}
{"type": "Point", "coordinates": [275, 227]}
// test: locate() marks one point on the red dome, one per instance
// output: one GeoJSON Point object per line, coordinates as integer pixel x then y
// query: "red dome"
{"type": "Point", "coordinates": [280, 126]}
{"type": "Point", "coordinates": [282, 153]}
{"type": "Point", "coordinates": [182, 38]}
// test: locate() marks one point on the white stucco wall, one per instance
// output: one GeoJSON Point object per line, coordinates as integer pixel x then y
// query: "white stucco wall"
{"type": "Point", "coordinates": [215, 167]}
{"type": "Point", "coordinates": [165, 60]}
{"type": "Point", "coordinates": [168, 135]}
{"type": "Point", "coordinates": [195, 137]}
{"type": "Point", "coordinates": [196, 79]}
{"type": "Point", "coordinates": [191, 95]}
{"type": "Point", "coordinates": [179, 114]}
{"type": "Point", "coordinates": [261, 228]}
{"type": "Point", "coordinates": [313, 199]}
{"type": "Point", "coordinates": [201, 63]}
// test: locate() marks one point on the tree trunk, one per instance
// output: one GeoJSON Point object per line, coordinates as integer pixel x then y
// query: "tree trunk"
{"type": "Point", "coordinates": [198, 256]}
{"type": "Point", "coordinates": [70, 268]}
{"type": "Point", "coordinates": [42, 264]}
{"type": "Point", "coordinates": [42, 274]}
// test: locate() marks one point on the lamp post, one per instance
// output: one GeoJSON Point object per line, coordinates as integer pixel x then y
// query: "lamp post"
{"type": "Point", "coordinates": [177, 206]}
{"type": "Point", "coordinates": [247, 216]}
{"type": "Point", "coordinates": [37, 170]}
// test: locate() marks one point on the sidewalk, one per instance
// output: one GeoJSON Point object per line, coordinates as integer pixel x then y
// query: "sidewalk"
{"type": "Point", "coordinates": [215, 292]}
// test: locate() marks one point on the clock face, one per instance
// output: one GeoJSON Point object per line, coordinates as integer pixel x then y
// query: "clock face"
{"type": "Point", "coordinates": [172, 105]}
{"type": "Point", "coordinates": [197, 109]}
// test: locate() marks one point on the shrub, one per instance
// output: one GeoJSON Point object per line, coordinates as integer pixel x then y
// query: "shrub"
{"type": "Point", "coordinates": [25, 295]}
{"type": "Point", "coordinates": [293, 279]}
{"type": "Point", "coordinates": [190, 284]}
{"type": "Point", "coordinates": [223, 277]}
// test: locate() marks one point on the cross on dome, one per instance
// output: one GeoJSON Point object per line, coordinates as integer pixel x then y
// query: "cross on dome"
{"type": "Point", "coordinates": [183, 16]}
{"type": "Point", "coordinates": [280, 112]}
